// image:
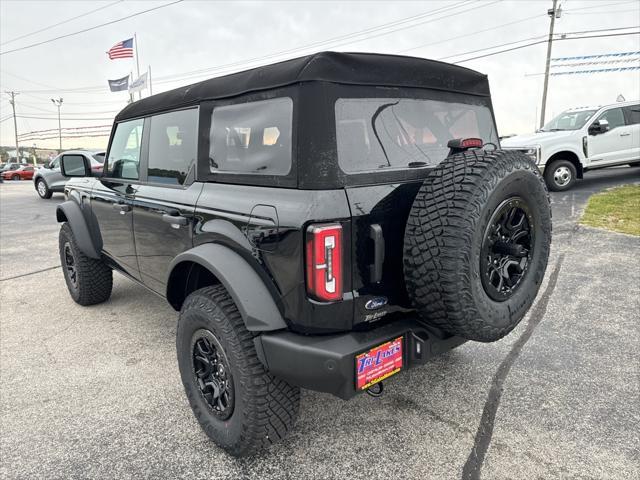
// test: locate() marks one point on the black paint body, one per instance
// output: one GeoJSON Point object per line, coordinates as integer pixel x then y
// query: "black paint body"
{"type": "Point", "coordinates": [261, 220]}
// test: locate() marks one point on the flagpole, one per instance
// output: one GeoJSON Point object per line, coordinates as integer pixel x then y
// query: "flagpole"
{"type": "Point", "coordinates": [135, 40]}
{"type": "Point", "coordinates": [149, 70]}
{"type": "Point", "coordinates": [131, 93]}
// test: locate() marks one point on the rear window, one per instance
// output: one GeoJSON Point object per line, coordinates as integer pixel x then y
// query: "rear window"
{"type": "Point", "coordinates": [253, 137]}
{"type": "Point", "coordinates": [98, 157]}
{"type": "Point", "coordinates": [379, 133]}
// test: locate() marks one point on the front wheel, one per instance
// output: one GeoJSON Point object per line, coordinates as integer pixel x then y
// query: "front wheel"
{"type": "Point", "coordinates": [42, 189]}
{"type": "Point", "coordinates": [238, 404]}
{"type": "Point", "coordinates": [560, 175]}
{"type": "Point", "coordinates": [15, 177]}
{"type": "Point", "coordinates": [89, 280]}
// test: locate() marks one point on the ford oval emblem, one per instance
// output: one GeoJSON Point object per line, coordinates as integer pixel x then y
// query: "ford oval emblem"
{"type": "Point", "coordinates": [375, 303]}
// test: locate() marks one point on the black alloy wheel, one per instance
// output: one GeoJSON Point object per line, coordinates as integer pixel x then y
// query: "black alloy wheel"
{"type": "Point", "coordinates": [507, 249]}
{"type": "Point", "coordinates": [70, 265]}
{"type": "Point", "coordinates": [212, 373]}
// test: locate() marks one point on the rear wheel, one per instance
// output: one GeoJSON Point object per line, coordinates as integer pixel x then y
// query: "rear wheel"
{"type": "Point", "coordinates": [477, 243]}
{"type": "Point", "coordinates": [89, 280]}
{"type": "Point", "coordinates": [238, 404]}
{"type": "Point", "coordinates": [42, 189]}
{"type": "Point", "coordinates": [560, 175]}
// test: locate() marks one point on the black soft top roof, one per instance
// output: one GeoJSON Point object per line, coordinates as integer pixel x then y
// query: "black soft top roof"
{"type": "Point", "coordinates": [335, 67]}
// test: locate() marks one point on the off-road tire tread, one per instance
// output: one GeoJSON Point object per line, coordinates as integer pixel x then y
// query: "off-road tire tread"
{"type": "Point", "coordinates": [272, 404]}
{"type": "Point", "coordinates": [95, 278]}
{"type": "Point", "coordinates": [440, 231]}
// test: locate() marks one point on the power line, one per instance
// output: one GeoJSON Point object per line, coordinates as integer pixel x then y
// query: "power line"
{"type": "Point", "coordinates": [471, 33]}
{"type": "Point", "coordinates": [543, 41]}
{"type": "Point", "coordinates": [63, 118]}
{"type": "Point", "coordinates": [351, 37]}
{"type": "Point", "coordinates": [61, 23]}
{"type": "Point", "coordinates": [330, 43]}
{"type": "Point", "coordinates": [534, 38]}
{"type": "Point", "coordinates": [600, 5]}
{"type": "Point", "coordinates": [165, 79]}
{"type": "Point", "coordinates": [91, 28]}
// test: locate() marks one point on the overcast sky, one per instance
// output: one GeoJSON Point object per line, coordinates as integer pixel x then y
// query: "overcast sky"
{"type": "Point", "coordinates": [225, 36]}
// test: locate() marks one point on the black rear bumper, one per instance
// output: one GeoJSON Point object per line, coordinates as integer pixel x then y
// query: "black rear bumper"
{"type": "Point", "coordinates": [326, 363]}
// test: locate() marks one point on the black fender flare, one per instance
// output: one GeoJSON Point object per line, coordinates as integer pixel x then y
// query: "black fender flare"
{"type": "Point", "coordinates": [71, 213]}
{"type": "Point", "coordinates": [252, 297]}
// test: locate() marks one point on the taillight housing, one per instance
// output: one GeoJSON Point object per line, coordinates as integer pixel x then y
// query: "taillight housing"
{"type": "Point", "coordinates": [324, 262]}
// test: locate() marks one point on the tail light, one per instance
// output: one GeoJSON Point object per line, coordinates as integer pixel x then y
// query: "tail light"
{"type": "Point", "coordinates": [324, 262]}
{"type": "Point", "coordinates": [96, 168]}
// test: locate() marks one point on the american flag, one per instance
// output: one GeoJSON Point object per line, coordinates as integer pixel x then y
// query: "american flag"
{"type": "Point", "coordinates": [122, 49]}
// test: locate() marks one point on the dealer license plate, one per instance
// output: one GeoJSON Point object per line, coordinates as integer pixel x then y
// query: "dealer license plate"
{"type": "Point", "coordinates": [378, 363]}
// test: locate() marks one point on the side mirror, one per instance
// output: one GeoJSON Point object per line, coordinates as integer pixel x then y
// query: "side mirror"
{"type": "Point", "coordinates": [75, 166]}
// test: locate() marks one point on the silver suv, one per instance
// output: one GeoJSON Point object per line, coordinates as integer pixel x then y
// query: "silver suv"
{"type": "Point", "coordinates": [49, 179]}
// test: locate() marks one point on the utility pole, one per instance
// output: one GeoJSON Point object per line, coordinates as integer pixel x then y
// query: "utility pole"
{"type": "Point", "coordinates": [58, 103]}
{"type": "Point", "coordinates": [553, 13]}
{"type": "Point", "coordinates": [15, 123]}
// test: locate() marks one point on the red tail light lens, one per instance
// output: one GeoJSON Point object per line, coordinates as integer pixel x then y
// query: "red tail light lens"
{"type": "Point", "coordinates": [324, 262]}
{"type": "Point", "coordinates": [471, 142]}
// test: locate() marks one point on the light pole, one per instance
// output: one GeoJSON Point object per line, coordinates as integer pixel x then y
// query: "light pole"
{"type": "Point", "coordinates": [58, 103]}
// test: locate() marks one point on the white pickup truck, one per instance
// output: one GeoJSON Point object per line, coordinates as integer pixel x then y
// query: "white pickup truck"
{"type": "Point", "coordinates": [583, 139]}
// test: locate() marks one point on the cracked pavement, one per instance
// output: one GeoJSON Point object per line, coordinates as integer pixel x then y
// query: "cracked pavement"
{"type": "Point", "coordinates": [95, 392]}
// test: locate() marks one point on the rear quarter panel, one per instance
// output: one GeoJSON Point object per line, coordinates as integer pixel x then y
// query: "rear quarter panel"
{"type": "Point", "coordinates": [266, 227]}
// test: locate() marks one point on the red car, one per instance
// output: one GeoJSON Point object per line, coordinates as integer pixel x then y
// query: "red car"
{"type": "Point", "coordinates": [23, 173]}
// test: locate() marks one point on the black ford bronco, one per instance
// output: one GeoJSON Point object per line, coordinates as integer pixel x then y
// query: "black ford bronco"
{"type": "Point", "coordinates": [320, 223]}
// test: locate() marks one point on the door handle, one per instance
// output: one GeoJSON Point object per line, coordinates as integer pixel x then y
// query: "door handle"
{"type": "Point", "coordinates": [625, 134]}
{"type": "Point", "coordinates": [174, 220]}
{"type": "Point", "coordinates": [122, 208]}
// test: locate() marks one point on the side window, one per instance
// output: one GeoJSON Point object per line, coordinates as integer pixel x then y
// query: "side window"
{"type": "Point", "coordinates": [632, 114]}
{"type": "Point", "coordinates": [252, 137]}
{"type": "Point", "coordinates": [124, 155]}
{"type": "Point", "coordinates": [614, 117]}
{"type": "Point", "coordinates": [173, 141]}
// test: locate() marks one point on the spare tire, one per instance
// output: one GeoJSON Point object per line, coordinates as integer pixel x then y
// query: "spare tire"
{"type": "Point", "coordinates": [477, 242]}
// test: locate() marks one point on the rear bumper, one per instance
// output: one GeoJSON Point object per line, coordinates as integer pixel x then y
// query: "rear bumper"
{"type": "Point", "coordinates": [326, 363]}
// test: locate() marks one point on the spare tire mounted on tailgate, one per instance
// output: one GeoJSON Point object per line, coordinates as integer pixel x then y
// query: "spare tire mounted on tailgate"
{"type": "Point", "coordinates": [477, 242]}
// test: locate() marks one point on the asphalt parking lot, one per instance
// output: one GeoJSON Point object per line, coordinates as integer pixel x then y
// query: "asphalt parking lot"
{"type": "Point", "coordinates": [95, 392]}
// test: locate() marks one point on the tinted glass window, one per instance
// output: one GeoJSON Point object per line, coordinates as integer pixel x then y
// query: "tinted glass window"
{"type": "Point", "coordinates": [614, 117]}
{"type": "Point", "coordinates": [55, 163]}
{"type": "Point", "coordinates": [124, 155]}
{"type": "Point", "coordinates": [172, 146]}
{"type": "Point", "coordinates": [252, 137]}
{"type": "Point", "coordinates": [377, 133]}
{"type": "Point", "coordinates": [98, 157]}
{"type": "Point", "coordinates": [632, 114]}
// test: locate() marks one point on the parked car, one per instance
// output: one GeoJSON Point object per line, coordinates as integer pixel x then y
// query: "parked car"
{"type": "Point", "coordinates": [49, 179]}
{"type": "Point", "coordinates": [583, 139]}
{"type": "Point", "coordinates": [25, 172]}
{"type": "Point", "coordinates": [11, 166]}
{"type": "Point", "coordinates": [323, 223]}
